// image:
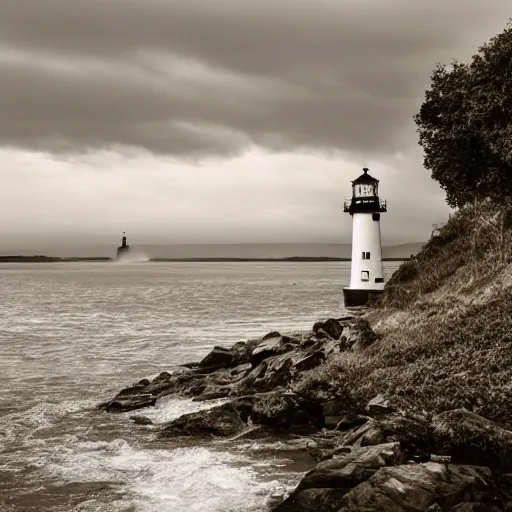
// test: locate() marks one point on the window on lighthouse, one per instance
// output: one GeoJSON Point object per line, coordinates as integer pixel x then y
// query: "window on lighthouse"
{"type": "Point", "coordinates": [365, 190]}
{"type": "Point", "coordinates": [365, 275]}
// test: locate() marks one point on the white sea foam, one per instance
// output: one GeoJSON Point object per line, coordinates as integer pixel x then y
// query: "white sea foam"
{"type": "Point", "coordinates": [178, 480]}
{"type": "Point", "coordinates": [132, 257]}
{"type": "Point", "coordinates": [168, 409]}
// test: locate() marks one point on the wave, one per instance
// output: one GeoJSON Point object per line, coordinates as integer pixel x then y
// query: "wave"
{"type": "Point", "coordinates": [132, 257]}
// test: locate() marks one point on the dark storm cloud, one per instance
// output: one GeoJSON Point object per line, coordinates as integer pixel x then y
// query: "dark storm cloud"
{"type": "Point", "coordinates": [212, 76]}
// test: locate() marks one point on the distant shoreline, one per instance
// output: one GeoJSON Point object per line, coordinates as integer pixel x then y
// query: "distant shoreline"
{"type": "Point", "coordinates": [301, 259]}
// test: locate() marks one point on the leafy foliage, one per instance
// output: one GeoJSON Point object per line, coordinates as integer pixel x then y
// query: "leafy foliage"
{"type": "Point", "coordinates": [465, 124]}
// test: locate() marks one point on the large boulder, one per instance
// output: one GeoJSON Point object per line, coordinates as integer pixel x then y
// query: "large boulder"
{"type": "Point", "coordinates": [324, 487]}
{"type": "Point", "coordinates": [268, 347]}
{"type": "Point", "coordinates": [414, 433]}
{"type": "Point", "coordinates": [221, 421]}
{"type": "Point", "coordinates": [222, 357]}
{"type": "Point", "coordinates": [286, 411]}
{"type": "Point", "coordinates": [328, 328]}
{"type": "Point", "coordinates": [472, 439]}
{"type": "Point", "coordinates": [411, 487]}
{"type": "Point", "coordinates": [219, 357]}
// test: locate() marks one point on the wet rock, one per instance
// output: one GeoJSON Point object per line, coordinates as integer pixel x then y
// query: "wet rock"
{"type": "Point", "coordinates": [285, 445]}
{"type": "Point", "coordinates": [472, 439]}
{"type": "Point", "coordinates": [312, 500]}
{"type": "Point", "coordinates": [240, 370]}
{"type": "Point", "coordinates": [266, 348]}
{"type": "Point", "coordinates": [252, 381]}
{"type": "Point", "coordinates": [278, 374]}
{"type": "Point", "coordinates": [348, 470]}
{"type": "Point", "coordinates": [328, 328]}
{"type": "Point", "coordinates": [141, 420]}
{"type": "Point", "coordinates": [273, 334]}
{"type": "Point", "coordinates": [221, 421]}
{"type": "Point", "coordinates": [219, 357]}
{"type": "Point", "coordinates": [130, 403]}
{"type": "Point", "coordinates": [205, 395]}
{"type": "Point", "coordinates": [415, 487]}
{"type": "Point", "coordinates": [341, 473]}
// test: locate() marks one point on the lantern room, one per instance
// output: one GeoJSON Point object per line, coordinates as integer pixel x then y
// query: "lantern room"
{"type": "Point", "coordinates": [365, 195]}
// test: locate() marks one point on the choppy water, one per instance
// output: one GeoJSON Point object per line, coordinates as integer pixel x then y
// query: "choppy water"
{"type": "Point", "coordinates": [71, 335]}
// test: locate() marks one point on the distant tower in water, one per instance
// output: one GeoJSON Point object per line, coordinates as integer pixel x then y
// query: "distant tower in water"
{"type": "Point", "coordinates": [123, 248]}
{"type": "Point", "coordinates": [365, 207]}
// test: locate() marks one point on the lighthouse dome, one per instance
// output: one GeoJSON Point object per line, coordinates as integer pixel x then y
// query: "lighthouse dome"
{"type": "Point", "coordinates": [365, 179]}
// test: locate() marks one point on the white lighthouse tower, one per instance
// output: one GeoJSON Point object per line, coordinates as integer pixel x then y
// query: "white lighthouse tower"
{"type": "Point", "coordinates": [365, 207]}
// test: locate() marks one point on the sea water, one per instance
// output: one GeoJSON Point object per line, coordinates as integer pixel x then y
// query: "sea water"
{"type": "Point", "coordinates": [73, 334]}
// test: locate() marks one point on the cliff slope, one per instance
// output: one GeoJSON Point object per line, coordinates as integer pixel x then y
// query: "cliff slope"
{"type": "Point", "coordinates": [443, 326]}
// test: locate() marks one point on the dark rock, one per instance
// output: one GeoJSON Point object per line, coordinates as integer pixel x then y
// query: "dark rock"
{"type": "Point", "coordinates": [273, 334]}
{"type": "Point", "coordinates": [351, 420]}
{"type": "Point", "coordinates": [312, 500]}
{"type": "Point", "coordinates": [415, 487]}
{"type": "Point", "coordinates": [222, 421]}
{"type": "Point", "coordinates": [473, 439]}
{"type": "Point", "coordinates": [266, 348]}
{"type": "Point", "coordinates": [130, 403]}
{"type": "Point", "coordinates": [191, 366]}
{"type": "Point", "coordinates": [341, 473]}
{"type": "Point", "coordinates": [331, 327]}
{"type": "Point", "coordinates": [247, 384]}
{"type": "Point", "coordinates": [143, 382]}
{"type": "Point", "coordinates": [141, 420]}
{"type": "Point", "coordinates": [241, 354]}
{"type": "Point", "coordinates": [275, 411]}
{"type": "Point", "coordinates": [311, 361]}
{"type": "Point", "coordinates": [290, 340]}
{"type": "Point", "coordinates": [162, 377]}
{"type": "Point", "coordinates": [240, 370]}
{"type": "Point", "coordinates": [136, 389]}
{"type": "Point", "coordinates": [212, 395]}
{"type": "Point", "coordinates": [413, 433]}
{"type": "Point", "coordinates": [348, 470]}
{"type": "Point", "coordinates": [219, 357]}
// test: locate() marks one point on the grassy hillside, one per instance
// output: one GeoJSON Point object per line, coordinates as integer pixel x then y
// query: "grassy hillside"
{"type": "Point", "coordinates": [444, 326]}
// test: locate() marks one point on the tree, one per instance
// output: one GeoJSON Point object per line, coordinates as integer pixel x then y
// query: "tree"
{"type": "Point", "coordinates": [465, 124]}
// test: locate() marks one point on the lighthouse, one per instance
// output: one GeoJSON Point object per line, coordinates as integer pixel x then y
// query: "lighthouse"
{"type": "Point", "coordinates": [366, 274]}
{"type": "Point", "coordinates": [123, 248]}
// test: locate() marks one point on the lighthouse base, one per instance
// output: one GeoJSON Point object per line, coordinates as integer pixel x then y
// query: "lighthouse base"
{"type": "Point", "coordinates": [353, 297]}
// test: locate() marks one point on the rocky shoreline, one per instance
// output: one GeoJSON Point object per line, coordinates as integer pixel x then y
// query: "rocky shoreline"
{"type": "Point", "coordinates": [371, 457]}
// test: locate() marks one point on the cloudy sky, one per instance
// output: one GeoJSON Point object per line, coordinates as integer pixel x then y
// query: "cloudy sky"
{"type": "Point", "coordinates": [193, 121]}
